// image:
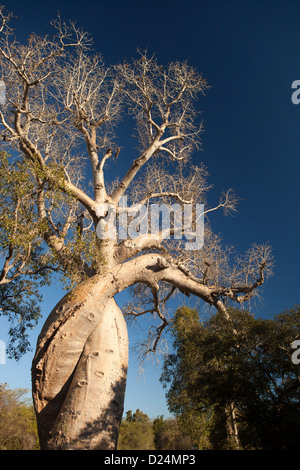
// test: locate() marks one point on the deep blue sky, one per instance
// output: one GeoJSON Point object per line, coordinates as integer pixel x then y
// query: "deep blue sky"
{"type": "Point", "coordinates": [249, 53]}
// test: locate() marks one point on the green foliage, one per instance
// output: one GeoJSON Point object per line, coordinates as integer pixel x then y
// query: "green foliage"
{"type": "Point", "coordinates": [18, 221]}
{"type": "Point", "coordinates": [136, 432]}
{"type": "Point", "coordinates": [18, 429]}
{"type": "Point", "coordinates": [33, 212]}
{"type": "Point", "coordinates": [214, 368]}
{"type": "Point", "coordinates": [23, 259]}
{"type": "Point", "coordinates": [137, 417]}
{"type": "Point", "coordinates": [170, 435]}
{"type": "Point", "coordinates": [20, 304]}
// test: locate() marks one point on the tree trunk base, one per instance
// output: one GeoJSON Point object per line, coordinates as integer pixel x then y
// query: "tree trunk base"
{"type": "Point", "coordinates": [84, 411]}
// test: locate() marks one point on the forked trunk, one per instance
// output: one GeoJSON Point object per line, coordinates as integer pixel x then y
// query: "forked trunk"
{"type": "Point", "coordinates": [79, 372]}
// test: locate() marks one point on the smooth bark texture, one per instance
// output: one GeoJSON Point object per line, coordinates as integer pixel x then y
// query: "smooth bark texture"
{"type": "Point", "coordinates": [80, 364]}
{"type": "Point", "coordinates": [85, 335]}
{"type": "Point", "coordinates": [79, 369]}
{"type": "Point", "coordinates": [79, 386]}
{"type": "Point", "coordinates": [92, 410]}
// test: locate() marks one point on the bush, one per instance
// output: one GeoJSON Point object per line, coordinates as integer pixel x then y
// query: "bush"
{"type": "Point", "coordinates": [136, 432]}
{"type": "Point", "coordinates": [18, 430]}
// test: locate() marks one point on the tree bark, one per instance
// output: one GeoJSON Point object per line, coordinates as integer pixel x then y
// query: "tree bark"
{"type": "Point", "coordinates": [79, 373]}
{"type": "Point", "coordinates": [91, 414]}
{"type": "Point", "coordinates": [79, 368]}
{"type": "Point", "coordinates": [232, 428]}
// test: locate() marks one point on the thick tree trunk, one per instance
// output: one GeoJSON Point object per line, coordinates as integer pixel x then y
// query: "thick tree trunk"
{"type": "Point", "coordinates": [91, 414]}
{"type": "Point", "coordinates": [80, 364]}
{"type": "Point", "coordinates": [79, 372]}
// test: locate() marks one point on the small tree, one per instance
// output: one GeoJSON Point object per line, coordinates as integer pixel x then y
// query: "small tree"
{"type": "Point", "coordinates": [60, 119]}
{"type": "Point", "coordinates": [18, 429]}
{"type": "Point", "coordinates": [136, 432]}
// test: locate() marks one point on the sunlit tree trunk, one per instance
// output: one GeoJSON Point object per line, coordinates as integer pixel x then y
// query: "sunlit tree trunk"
{"type": "Point", "coordinates": [79, 385]}
{"type": "Point", "coordinates": [232, 427]}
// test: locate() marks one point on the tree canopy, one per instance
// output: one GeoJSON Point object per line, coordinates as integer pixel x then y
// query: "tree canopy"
{"type": "Point", "coordinates": [213, 370]}
{"type": "Point", "coordinates": [60, 121]}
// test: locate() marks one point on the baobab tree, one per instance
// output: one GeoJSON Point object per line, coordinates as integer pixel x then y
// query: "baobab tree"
{"type": "Point", "coordinates": [59, 124]}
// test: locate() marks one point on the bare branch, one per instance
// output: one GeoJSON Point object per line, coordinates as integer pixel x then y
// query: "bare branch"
{"type": "Point", "coordinates": [162, 102]}
{"type": "Point", "coordinates": [228, 203]}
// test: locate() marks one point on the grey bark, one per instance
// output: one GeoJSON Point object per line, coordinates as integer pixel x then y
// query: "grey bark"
{"type": "Point", "coordinates": [79, 368]}
{"type": "Point", "coordinates": [79, 394]}
{"type": "Point", "coordinates": [77, 406]}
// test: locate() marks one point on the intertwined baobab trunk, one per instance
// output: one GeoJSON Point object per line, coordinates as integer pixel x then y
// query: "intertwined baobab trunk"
{"type": "Point", "coordinates": [80, 365]}
{"type": "Point", "coordinates": [79, 369]}
{"type": "Point", "coordinates": [79, 373]}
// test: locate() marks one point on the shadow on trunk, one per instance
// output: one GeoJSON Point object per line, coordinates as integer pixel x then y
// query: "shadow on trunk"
{"type": "Point", "coordinates": [86, 410]}
{"type": "Point", "coordinates": [100, 433]}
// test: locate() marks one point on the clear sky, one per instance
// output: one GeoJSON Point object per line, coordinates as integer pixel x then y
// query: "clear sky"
{"type": "Point", "coordinates": [249, 53]}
